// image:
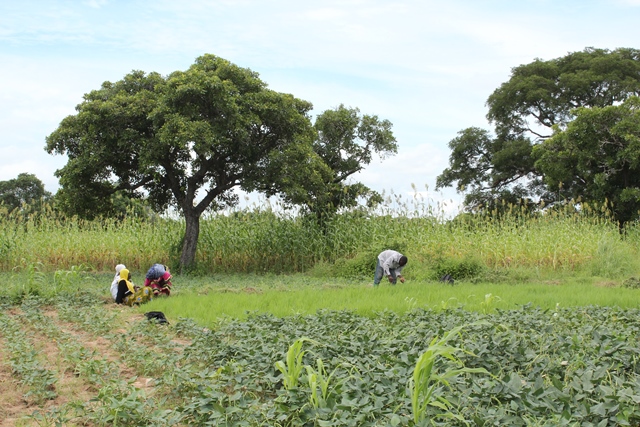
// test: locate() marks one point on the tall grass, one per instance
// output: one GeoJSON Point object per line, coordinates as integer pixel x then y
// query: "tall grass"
{"type": "Point", "coordinates": [262, 239]}
{"type": "Point", "coordinates": [56, 242]}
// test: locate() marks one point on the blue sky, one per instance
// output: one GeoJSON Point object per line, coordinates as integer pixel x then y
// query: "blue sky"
{"type": "Point", "coordinates": [427, 66]}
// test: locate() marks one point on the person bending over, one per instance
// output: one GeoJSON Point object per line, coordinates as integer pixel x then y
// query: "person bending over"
{"type": "Point", "coordinates": [390, 263]}
{"type": "Point", "coordinates": [158, 278]}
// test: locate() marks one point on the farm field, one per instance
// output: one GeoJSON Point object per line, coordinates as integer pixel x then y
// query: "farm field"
{"type": "Point", "coordinates": [503, 360]}
{"type": "Point", "coordinates": [278, 324]}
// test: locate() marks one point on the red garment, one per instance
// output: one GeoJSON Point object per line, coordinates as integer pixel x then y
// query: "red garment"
{"type": "Point", "coordinates": [161, 285]}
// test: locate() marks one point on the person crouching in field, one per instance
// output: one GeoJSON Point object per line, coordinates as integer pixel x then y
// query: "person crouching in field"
{"type": "Point", "coordinates": [129, 294]}
{"type": "Point", "coordinates": [158, 278]}
{"type": "Point", "coordinates": [116, 280]}
{"type": "Point", "coordinates": [390, 263]}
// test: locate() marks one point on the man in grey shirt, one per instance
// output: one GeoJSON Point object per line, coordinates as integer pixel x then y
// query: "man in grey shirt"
{"type": "Point", "coordinates": [390, 264]}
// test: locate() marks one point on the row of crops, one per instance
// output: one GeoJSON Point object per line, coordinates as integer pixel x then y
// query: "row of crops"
{"type": "Point", "coordinates": [525, 367]}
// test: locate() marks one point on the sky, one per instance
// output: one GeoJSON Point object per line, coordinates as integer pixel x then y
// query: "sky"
{"type": "Point", "coordinates": [427, 66]}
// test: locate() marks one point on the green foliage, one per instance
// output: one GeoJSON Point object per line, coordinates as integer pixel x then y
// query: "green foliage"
{"type": "Point", "coordinates": [361, 266]}
{"type": "Point", "coordinates": [292, 367]}
{"type": "Point", "coordinates": [33, 281]}
{"type": "Point", "coordinates": [489, 303]}
{"type": "Point", "coordinates": [458, 269]}
{"type": "Point", "coordinates": [525, 355]}
{"type": "Point", "coordinates": [324, 388]}
{"type": "Point", "coordinates": [595, 157]}
{"type": "Point", "coordinates": [208, 129]}
{"type": "Point", "coordinates": [591, 154]}
{"type": "Point", "coordinates": [189, 139]}
{"type": "Point", "coordinates": [612, 260]}
{"type": "Point", "coordinates": [25, 193]}
{"type": "Point", "coordinates": [425, 380]}
{"type": "Point", "coordinates": [517, 367]}
{"type": "Point", "coordinates": [631, 283]}
{"type": "Point", "coordinates": [345, 143]}
{"type": "Point", "coordinates": [26, 364]}
{"type": "Point", "coordinates": [124, 405]}
{"type": "Point", "coordinates": [485, 168]}
{"type": "Point", "coordinates": [507, 246]}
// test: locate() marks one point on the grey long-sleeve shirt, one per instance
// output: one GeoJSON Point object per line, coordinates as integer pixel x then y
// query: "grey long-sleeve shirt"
{"type": "Point", "coordinates": [390, 259]}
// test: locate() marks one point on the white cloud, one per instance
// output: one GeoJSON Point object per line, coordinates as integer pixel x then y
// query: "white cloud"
{"type": "Point", "coordinates": [96, 4]}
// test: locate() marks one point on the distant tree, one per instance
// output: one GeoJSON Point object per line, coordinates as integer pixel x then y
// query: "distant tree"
{"type": "Point", "coordinates": [26, 191]}
{"type": "Point", "coordinates": [185, 140]}
{"type": "Point", "coordinates": [597, 157]}
{"type": "Point", "coordinates": [538, 97]}
{"type": "Point", "coordinates": [344, 145]}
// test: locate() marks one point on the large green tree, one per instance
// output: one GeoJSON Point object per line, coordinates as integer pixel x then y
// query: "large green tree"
{"type": "Point", "coordinates": [26, 191]}
{"type": "Point", "coordinates": [345, 144]}
{"type": "Point", "coordinates": [597, 157]}
{"type": "Point", "coordinates": [185, 140]}
{"type": "Point", "coordinates": [537, 98]}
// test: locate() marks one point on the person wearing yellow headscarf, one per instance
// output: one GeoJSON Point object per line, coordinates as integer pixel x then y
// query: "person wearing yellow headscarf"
{"type": "Point", "coordinates": [129, 294]}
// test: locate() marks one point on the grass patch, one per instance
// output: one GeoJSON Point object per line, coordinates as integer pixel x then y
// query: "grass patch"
{"type": "Point", "coordinates": [236, 300]}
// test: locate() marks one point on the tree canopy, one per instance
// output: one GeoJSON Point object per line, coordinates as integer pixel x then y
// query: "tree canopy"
{"type": "Point", "coordinates": [345, 143]}
{"type": "Point", "coordinates": [540, 98]}
{"type": "Point", "coordinates": [26, 191]}
{"type": "Point", "coordinates": [597, 158]}
{"type": "Point", "coordinates": [189, 139]}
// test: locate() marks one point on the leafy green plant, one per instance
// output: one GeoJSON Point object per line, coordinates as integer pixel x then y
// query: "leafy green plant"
{"type": "Point", "coordinates": [55, 416]}
{"type": "Point", "coordinates": [26, 364]}
{"type": "Point", "coordinates": [123, 405]}
{"type": "Point", "coordinates": [292, 366]}
{"type": "Point", "coordinates": [70, 280]}
{"type": "Point", "coordinates": [489, 303]}
{"type": "Point", "coordinates": [425, 379]}
{"type": "Point", "coordinates": [322, 386]}
{"type": "Point", "coordinates": [449, 303]}
{"type": "Point", "coordinates": [359, 267]}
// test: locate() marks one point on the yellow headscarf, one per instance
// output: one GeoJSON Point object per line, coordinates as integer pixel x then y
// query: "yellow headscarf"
{"type": "Point", "coordinates": [124, 275]}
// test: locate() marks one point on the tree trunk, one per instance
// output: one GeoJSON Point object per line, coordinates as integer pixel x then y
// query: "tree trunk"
{"type": "Point", "coordinates": [190, 243]}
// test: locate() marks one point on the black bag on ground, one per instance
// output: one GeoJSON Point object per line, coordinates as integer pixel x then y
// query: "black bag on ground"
{"type": "Point", "coordinates": [157, 316]}
{"type": "Point", "coordinates": [447, 278]}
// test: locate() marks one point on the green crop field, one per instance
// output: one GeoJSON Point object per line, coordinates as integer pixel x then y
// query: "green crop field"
{"type": "Point", "coordinates": [278, 324]}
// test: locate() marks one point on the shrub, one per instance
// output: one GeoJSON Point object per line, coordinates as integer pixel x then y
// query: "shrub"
{"type": "Point", "coordinates": [362, 265]}
{"type": "Point", "coordinates": [458, 269]}
{"type": "Point", "coordinates": [632, 283]}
